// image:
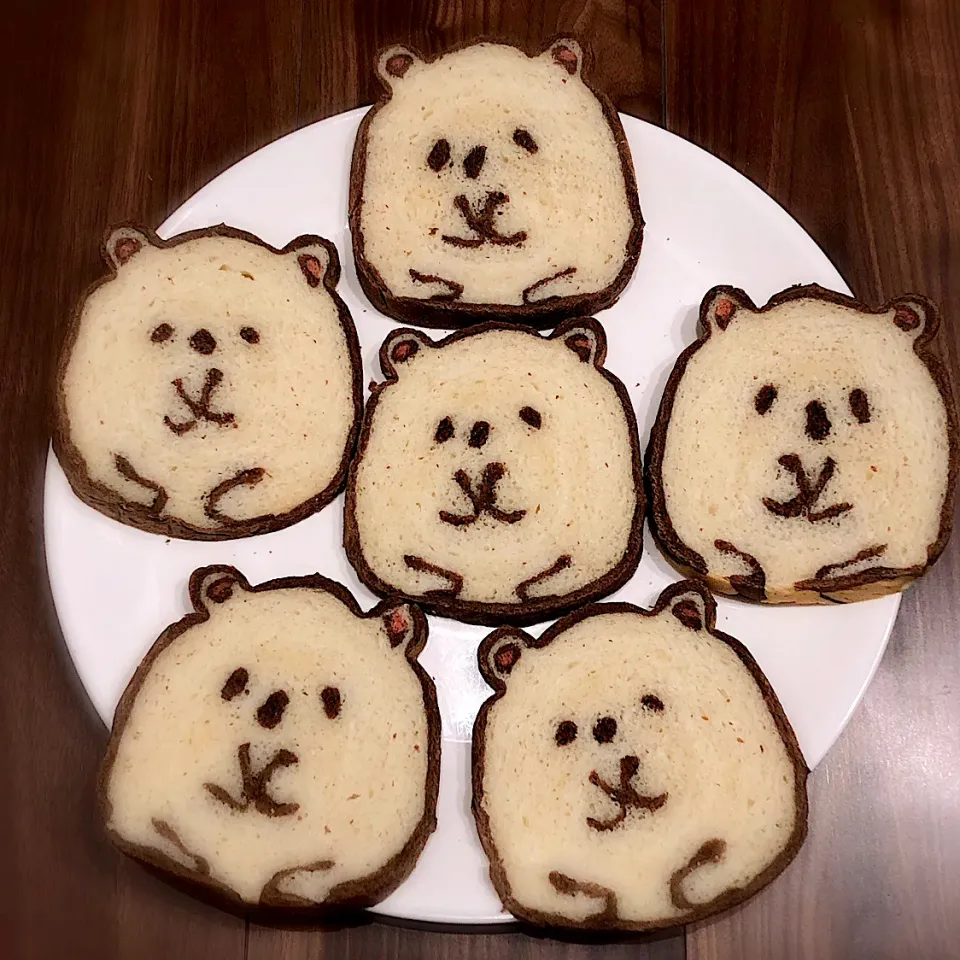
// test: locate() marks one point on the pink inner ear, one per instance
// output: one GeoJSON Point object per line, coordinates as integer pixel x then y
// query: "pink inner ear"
{"type": "Point", "coordinates": [398, 64]}
{"type": "Point", "coordinates": [688, 613]}
{"type": "Point", "coordinates": [580, 344]}
{"type": "Point", "coordinates": [401, 352]}
{"type": "Point", "coordinates": [507, 657]}
{"type": "Point", "coordinates": [220, 591]}
{"type": "Point", "coordinates": [396, 625]}
{"type": "Point", "coordinates": [566, 58]}
{"type": "Point", "coordinates": [906, 319]}
{"type": "Point", "coordinates": [125, 248]}
{"type": "Point", "coordinates": [723, 310]}
{"type": "Point", "coordinates": [311, 267]}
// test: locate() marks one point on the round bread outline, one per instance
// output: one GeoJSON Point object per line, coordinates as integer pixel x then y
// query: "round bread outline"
{"type": "Point", "coordinates": [112, 504]}
{"type": "Point", "coordinates": [351, 895]}
{"type": "Point", "coordinates": [542, 315]}
{"type": "Point", "coordinates": [869, 584]}
{"type": "Point", "coordinates": [607, 920]}
{"type": "Point", "coordinates": [495, 614]}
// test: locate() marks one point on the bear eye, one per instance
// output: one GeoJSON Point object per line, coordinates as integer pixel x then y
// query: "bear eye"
{"type": "Point", "coordinates": [439, 156]}
{"type": "Point", "coordinates": [331, 702]}
{"type": "Point", "coordinates": [523, 139]}
{"type": "Point", "coordinates": [651, 702]}
{"type": "Point", "coordinates": [531, 417]}
{"type": "Point", "coordinates": [763, 401]}
{"type": "Point", "coordinates": [444, 430]}
{"type": "Point", "coordinates": [566, 733]}
{"type": "Point", "coordinates": [249, 334]}
{"type": "Point", "coordinates": [859, 405]}
{"type": "Point", "coordinates": [161, 333]}
{"type": "Point", "coordinates": [235, 684]}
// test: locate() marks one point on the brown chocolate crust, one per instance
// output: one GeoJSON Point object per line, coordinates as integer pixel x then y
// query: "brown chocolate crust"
{"type": "Point", "coordinates": [451, 314]}
{"type": "Point", "coordinates": [608, 920]}
{"type": "Point", "coordinates": [493, 614]}
{"type": "Point", "coordinates": [866, 585]}
{"type": "Point", "coordinates": [111, 503]}
{"type": "Point", "coordinates": [353, 894]}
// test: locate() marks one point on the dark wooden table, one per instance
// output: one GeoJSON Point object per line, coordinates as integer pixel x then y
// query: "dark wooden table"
{"type": "Point", "coordinates": [846, 111]}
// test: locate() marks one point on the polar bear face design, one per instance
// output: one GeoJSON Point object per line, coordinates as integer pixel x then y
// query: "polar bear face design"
{"type": "Point", "coordinates": [498, 475]}
{"type": "Point", "coordinates": [278, 747]}
{"type": "Point", "coordinates": [210, 387]}
{"type": "Point", "coordinates": [806, 451]}
{"type": "Point", "coordinates": [490, 183]}
{"type": "Point", "coordinates": [634, 769]}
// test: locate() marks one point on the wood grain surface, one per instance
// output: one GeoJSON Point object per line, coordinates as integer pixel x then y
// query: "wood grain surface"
{"type": "Point", "coordinates": [846, 111]}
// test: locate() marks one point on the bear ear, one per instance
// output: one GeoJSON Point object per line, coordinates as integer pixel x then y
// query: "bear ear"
{"type": "Point", "coordinates": [585, 338]}
{"type": "Point", "coordinates": [721, 305]}
{"type": "Point", "coordinates": [500, 652]}
{"type": "Point", "coordinates": [213, 586]}
{"type": "Point", "coordinates": [403, 626]}
{"type": "Point", "coordinates": [402, 347]}
{"type": "Point", "coordinates": [914, 315]}
{"type": "Point", "coordinates": [314, 263]}
{"type": "Point", "coordinates": [396, 63]}
{"type": "Point", "coordinates": [567, 54]}
{"type": "Point", "coordinates": [689, 602]}
{"type": "Point", "coordinates": [122, 244]}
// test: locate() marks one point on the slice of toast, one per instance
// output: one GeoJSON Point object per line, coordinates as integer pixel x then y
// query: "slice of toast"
{"type": "Point", "coordinates": [209, 386]}
{"type": "Point", "coordinates": [806, 452]}
{"type": "Point", "coordinates": [278, 748]}
{"type": "Point", "coordinates": [498, 476]}
{"type": "Point", "coordinates": [633, 769]}
{"type": "Point", "coordinates": [488, 183]}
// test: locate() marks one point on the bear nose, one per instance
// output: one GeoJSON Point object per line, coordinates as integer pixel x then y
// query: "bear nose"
{"type": "Point", "coordinates": [473, 161]}
{"type": "Point", "coordinates": [270, 712]}
{"type": "Point", "coordinates": [479, 434]}
{"type": "Point", "coordinates": [605, 729]}
{"type": "Point", "coordinates": [203, 342]}
{"type": "Point", "coordinates": [818, 423]}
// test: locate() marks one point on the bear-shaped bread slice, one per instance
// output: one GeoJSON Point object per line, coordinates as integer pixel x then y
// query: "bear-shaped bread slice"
{"type": "Point", "coordinates": [634, 768]}
{"type": "Point", "coordinates": [277, 747]}
{"type": "Point", "coordinates": [498, 476]}
{"type": "Point", "coordinates": [210, 386]}
{"type": "Point", "coordinates": [489, 183]}
{"type": "Point", "coordinates": [806, 452]}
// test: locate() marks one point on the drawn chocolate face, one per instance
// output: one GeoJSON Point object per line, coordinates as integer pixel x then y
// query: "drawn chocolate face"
{"type": "Point", "coordinates": [811, 486]}
{"type": "Point", "coordinates": [269, 715]}
{"type": "Point", "coordinates": [481, 490]}
{"type": "Point", "coordinates": [626, 793]}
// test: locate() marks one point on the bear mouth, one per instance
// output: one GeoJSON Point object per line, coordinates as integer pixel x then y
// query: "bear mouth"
{"type": "Point", "coordinates": [254, 784]}
{"type": "Point", "coordinates": [483, 498]}
{"type": "Point", "coordinates": [481, 222]}
{"type": "Point", "coordinates": [809, 492]}
{"type": "Point", "coordinates": [625, 795]}
{"type": "Point", "coordinates": [200, 407]}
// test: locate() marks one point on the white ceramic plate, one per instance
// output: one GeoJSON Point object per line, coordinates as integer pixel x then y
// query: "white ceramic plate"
{"type": "Point", "coordinates": [117, 588]}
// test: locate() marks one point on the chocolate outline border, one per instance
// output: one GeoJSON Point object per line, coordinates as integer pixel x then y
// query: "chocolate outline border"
{"type": "Point", "coordinates": [107, 501]}
{"type": "Point", "coordinates": [354, 894]}
{"type": "Point", "coordinates": [869, 584]}
{"type": "Point", "coordinates": [495, 614]}
{"type": "Point", "coordinates": [446, 315]}
{"type": "Point", "coordinates": [603, 922]}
